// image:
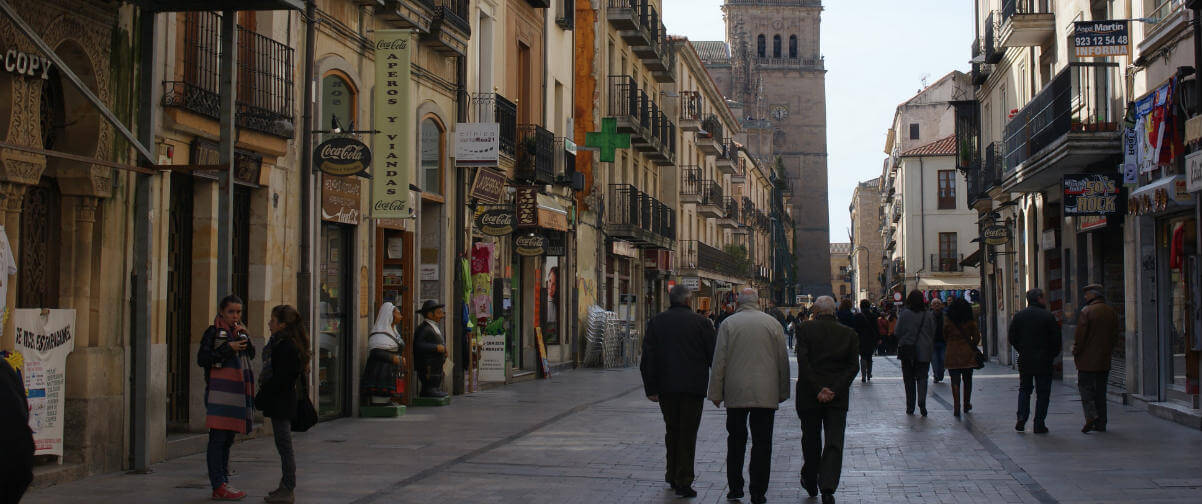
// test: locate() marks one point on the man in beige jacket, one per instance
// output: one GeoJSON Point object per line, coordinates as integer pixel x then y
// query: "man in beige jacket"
{"type": "Point", "coordinates": [751, 375]}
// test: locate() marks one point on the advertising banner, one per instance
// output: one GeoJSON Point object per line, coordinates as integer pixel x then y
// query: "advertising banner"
{"type": "Point", "coordinates": [44, 342]}
{"type": "Point", "coordinates": [1100, 39]}
{"type": "Point", "coordinates": [489, 186]}
{"type": "Point", "coordinates": [492, 358]}
{"type": "Point", "coordinates": [392, 160]}
{"type": "Point", "coordinates": [477, 144]}
{"type": "Point", "coordinates": [340, 199]}
{"type": "Point", "coordinates": [342, 156]}
{"type": "Point", "coordinates": [1091, 194]}
{"type": "Point", "coordinates": [1193, 172]}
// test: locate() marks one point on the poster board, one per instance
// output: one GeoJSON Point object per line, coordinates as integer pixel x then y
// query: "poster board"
{"type": "Point", "coordinates": [492, 358]}
{"type": "Point", "coordinates": [44, 341]}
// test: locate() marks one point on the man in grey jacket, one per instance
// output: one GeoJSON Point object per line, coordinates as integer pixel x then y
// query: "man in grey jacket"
{"type": "Point", "coordinates": [751, 374]}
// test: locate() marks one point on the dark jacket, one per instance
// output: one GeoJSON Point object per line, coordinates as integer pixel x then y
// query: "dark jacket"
{"type": "Point", "coordinates": [869, 337]}
{"type": "Point", "coordinates": [425, 347]}
{"type": "Point", "coordinates": [1035, 335]}
{"type": "Point", "coordinates": [1097, 329]}
{"type": "Point", "coordinates": [15, 435]}
{"type": "Point", "coordinates": [828, 356]}
{"type": "Point", "coordinates": [678, 350]}
{"type": "Point", "coordinates": [937, 316]}
{"type": "Point", "coordinates": [962, 342]}
{"type": "Point", "coordinates": [277, 388]}
{"type": "Point", "coordinates": [209, 355]}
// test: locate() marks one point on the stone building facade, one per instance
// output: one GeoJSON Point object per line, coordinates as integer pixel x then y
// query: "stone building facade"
{"type": "Point", "coordinates": [841, 270]}
{"type": "Point", "coordinates": [866, 245]}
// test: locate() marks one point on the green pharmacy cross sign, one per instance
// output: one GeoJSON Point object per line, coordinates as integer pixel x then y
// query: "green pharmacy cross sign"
{"type": "Point", "coordinates": [607, 140]}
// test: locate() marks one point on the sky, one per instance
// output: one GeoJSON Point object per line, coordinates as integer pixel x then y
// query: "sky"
{"type": "Point", "coordinates": [877, 53]}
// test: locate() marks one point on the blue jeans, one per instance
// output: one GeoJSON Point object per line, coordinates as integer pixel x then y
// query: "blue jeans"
{"type": "Point", "coordinates": [218, 456]}
{"type": "Point", "coordinates": [938, 357]}
{"type": "Point", "coordinates": [1042, 385]}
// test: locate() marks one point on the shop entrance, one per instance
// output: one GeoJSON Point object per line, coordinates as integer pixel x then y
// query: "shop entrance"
{"type": "Point", "coordinates": [335, 307]}
{"type": "Point", "coordinates": [179, 301]}
{"type": "Point", "coordinates": [393, 273]}
{"type": "Point", "coordinates": [1178, 260]}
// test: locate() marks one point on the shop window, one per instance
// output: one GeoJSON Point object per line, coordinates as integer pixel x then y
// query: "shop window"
{"type": "Point", "coordinates": [948, 255]}
{"type": "Point", "coordinates": [761, 46]}
{"type": "Point", "coordinates": [947, 189]}
{"type": "Point", "coordinates": [432, 142]}
{"type": "Point", "coordinates": [776, 46]}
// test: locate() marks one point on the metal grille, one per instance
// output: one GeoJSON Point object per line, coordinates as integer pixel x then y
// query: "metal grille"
{"type": "Point", "coordinates": [241, 249]}
{"type": "Point", "coordinates": [39, 247]}
{"type": "Point", "coordinates": [535, 161]}
{"type": "Point", "coordinates": [179, 295]}
{"type": "Point", "coordinates": [454, 12]}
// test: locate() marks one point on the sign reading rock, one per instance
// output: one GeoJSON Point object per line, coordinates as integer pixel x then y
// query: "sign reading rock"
{"type": "Point", "coordinates": [498, 222]}
{"type": "Point", "coordinates": [1091, 194]}
{"type": "Point", "coordinates": [342, 156]}
{"type": "Point", "coordinates": [530, 245]}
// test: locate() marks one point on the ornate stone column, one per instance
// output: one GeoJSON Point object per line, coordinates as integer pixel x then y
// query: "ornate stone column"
{"type": "Point", "coordinates": [81, 267]}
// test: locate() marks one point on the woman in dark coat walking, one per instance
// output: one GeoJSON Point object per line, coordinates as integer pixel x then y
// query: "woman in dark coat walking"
{"type": "Point", "coordinates": [284, 360]}
{"type": "Point", "coordinates": [915, 334]}
{"type": "Point", "coordinates": [962, 336]}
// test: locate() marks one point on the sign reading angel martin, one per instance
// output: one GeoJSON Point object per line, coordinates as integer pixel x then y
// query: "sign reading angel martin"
{"type": "Point", "coordinates": [391, 167]}
{"type": "Point", "coordinates": [1097, 39]}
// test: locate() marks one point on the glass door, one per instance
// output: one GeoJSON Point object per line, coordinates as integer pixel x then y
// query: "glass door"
{"type": "Point", "coordinates": [334, 308]}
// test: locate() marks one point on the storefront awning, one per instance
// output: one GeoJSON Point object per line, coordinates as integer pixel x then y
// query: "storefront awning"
{"type": "Point", "coordinates": [948, 283]}
{"type": "Point", "coordinates": [973, 260]}
{"type": "Point", "coordinates": [1164, 194]}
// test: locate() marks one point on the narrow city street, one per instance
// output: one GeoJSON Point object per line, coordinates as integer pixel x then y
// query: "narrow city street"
{"type": "Point", "coordinates": [589, 436]}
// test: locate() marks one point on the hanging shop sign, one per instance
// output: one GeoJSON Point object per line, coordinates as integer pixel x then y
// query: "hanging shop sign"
{"type": "Point", "coordinates": [342, 156]}
{"type": "Point", "coordinates": [29, 64]}
{"type": "Point", "coordinates": [551, 215]}
{"type": "Point", "coordinates": [489, 186]}
{"type": "Point", "coordinates": [393, 106]}
{"type": "Point", "coordinates": [340, 199]}
{"type": "Point", "coordinates": [692, 283]}
{"type": "Point", "coordinates": [1091, 194]}
{"type": "Point", "coordinates": [1091, 222]}
{"type": "Point", "coordinates": [496, 222]}
{"type": "Point", "coordinates": [1100, 39]}
{"type": "Point", "coordinates": [557, 243]}
{"type": "Point", "coordinates": [44, 338]}
{"type": "Point", "coordinates": [1193, 172]}
{"type": "Point", "coordinates": [995, 234]}
{"type": "Point", "coordinates": [530, 245]}
{"type": "Point", "coordinates": [625, 249]}
{"type": "Point", "coordinates": [477, 144]}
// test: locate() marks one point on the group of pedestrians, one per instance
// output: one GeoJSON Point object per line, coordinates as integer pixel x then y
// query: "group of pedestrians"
{"type": "Point", "coordinates": [750, 375]}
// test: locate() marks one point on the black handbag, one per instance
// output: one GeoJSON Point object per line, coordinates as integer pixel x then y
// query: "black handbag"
{"type": "Point", "coordinates": [306, 414]}
{"type": "Point", "coordinates": [980, 356]}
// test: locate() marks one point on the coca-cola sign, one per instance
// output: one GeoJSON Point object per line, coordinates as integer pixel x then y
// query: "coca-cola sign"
{"type": "Point", "coordinates": [498, 222]}
{"type": "Point", "coordinates": [342, 156]}
{"type": "Point", "coordinates": [530, 245]}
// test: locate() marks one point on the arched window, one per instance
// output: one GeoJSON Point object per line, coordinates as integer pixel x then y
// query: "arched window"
{"type": "Point", "coordinates": [776, 46]}
{"type": "Point", "coordinates": [432, 141]}
{"type": "Point", "coordinates": [793, 46]}
{"type": "Point", "coordinates": [337, 101]}
{"type": "Point", "coordinates": [761, 46]}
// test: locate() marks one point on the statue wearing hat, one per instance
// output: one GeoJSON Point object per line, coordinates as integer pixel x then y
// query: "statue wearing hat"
{"type": "Point", "coordinates": [429, 349]}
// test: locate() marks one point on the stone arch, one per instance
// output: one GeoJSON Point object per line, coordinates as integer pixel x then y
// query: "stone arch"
{"type": "Point", "coordinates": [336, 65]}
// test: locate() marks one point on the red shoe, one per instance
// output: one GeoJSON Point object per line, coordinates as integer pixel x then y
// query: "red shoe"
{"type": "Point", "coordinates": [228, 493]}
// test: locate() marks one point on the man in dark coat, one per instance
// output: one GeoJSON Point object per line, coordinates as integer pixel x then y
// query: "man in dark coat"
{"type": "Point", "coordinates": [827, 363]}
{"type": "Point", "coordinates": [870, 337]}
{"type": "Point", "coordinates": [678, 350]}
{"type": "Point", "coordinates": [1093, 345]}
{"type": "Point", "coordinates": [430, 350]}
{"type": "Point", "coordinates": [16, 466]}
{"type": "Point", "coordinates": [1035, 335]}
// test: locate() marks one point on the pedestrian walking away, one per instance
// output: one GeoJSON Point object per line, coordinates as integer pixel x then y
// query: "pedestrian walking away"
{"type": "Point", "coordinates": [678, 349]}
{"type": "Point", "coordinates": [963, 337]}
{"type": "Point", "coordinates": [915, 334]}
{"type": "Point", "coordinates": [284, 358]}
{"type": "Point", "coordinates": [869, 338]}
{"type": "Point", "coordinates": [225, 353]}
{"type": "Point", "coordinates": [1035, 334]}
{"type": "Point", "coordinates": [939, 347]}
{"type": "Point", "coordinates": [827, 352]}
{"type": "Point", "coordinates": [1093, 345]}
{"type": "Point", "coordinates": [16, 466]}
{"type": "Point", "coordinates": [751, 375]}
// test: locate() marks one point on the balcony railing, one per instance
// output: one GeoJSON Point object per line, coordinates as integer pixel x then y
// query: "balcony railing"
{"type": "Point", "coordinates": [492, 107]}
{"type": "Point", "coordinates": [993, 53]}
{"type": "Point", "coordinates": [454, 12]}
{"type": "Point", "coordinates": [815, 63]}
{"type": "Point", "coordinates": [711, 127]}
{"type": "Point", "coordinates": [697, 255]}
{"type": "Point", "coordinates": [692, 105]}
{"type": "Point", "coordinates": [566, 16]}
{"type": "Point", "coordinates": [1078, 100]}
{"type": "Point", "coordinates": [732, 208]}
{"type": "Point", "coordinates": [264, 99]}
{"type": "Point", "coordinates": [711, 193]}
{"type": "Point", "coordinates": [535, 155]}
{"type": "Point", "coordinates": [635, 215]}
{"type": "Point", "coordinates": [691, 181]}
{"type": "Point", "coordinates": [944, 264]}
{"type": "Point", "coordinates": [1012, 7]}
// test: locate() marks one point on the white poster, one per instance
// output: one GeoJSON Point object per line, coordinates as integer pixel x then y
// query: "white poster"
{"type": "Point", "coordinates": [1130, 156]}
{"type": "Point", "coordinates": [44, 342]}
{"type": "Point", "coordinates": [492, 358]}
{"type": "Point", "coordinates": [477, 144]}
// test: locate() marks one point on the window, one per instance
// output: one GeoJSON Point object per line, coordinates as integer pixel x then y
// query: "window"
{"type": "Point", "coordinates": [776, 46]}
{"type": "Point", "coordinates": [947, 189]}
{"type": "Point", "coordinates": [913, 131]}
{"type": "Point", "coordinates": [793, 46]}
{"type": "Point", "coordinates": [337, 102]}
{"type": "Point", "coordinates": [948, 256]}
{"type": "Point", "coordinates": [431, 137]}
{"type": "Point", "coordinates": [760, 46]}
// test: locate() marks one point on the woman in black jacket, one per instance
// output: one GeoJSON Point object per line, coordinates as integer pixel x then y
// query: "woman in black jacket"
{"type": "Point", "coordinates": [284, 361]}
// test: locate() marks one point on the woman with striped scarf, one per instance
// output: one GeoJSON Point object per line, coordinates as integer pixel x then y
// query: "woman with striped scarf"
{"type": "Point", "coordinates": [225, 353]}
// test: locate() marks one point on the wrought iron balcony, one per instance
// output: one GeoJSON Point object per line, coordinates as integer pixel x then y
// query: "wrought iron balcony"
{"type": "Point", "coordinates": [535, 155]}
{"type": "Point", "coordinates": [695, 255]}
{"type": "Point", "coordinates": [415, 14]}
{"type": "Point", "coordinates": [663, 141]}
{"type": "Point", "coordinates": [628, 104]}
{"type": "Point", "coordinates": [692, 105]}
{"type": "Point", "coordinates": [740, 172]}
{"type": "Point", "coordinates": [492, 107]}
{"type": "Point", "coordinates": [1025, 23]}
{"type": "Point", "coordinates": [986, 176]}
{"type": "Point", "coordinates": [710, 135]}
{"type": "Point", "coordinates": [724, 161]}
{"type": "Point", "coordinates": [1072, 123]}
{"type": "Point", "coordinates": [993, 53]}
{"type": "Point", "coordinates": [691, 182]}
{"type": "Point", "coordinates": [566, 15]}
{"type": "Point", "coordinates": [730, 219]}
{"type": "Point", "coordinates": [539, 4]}
{"type": "Point", "coordinates": [450, 30]}
{"type": "Point", "coordinates": [636, 216]}
{"type": "Point", "coordinates": [639, 24]}
{"type": "Point", "coordinates": [711, 200]}
{"type": "Point", "coordinates": [264, 101]}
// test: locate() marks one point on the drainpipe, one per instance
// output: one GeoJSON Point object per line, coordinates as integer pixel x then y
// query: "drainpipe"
{"type": "Point", "coordinates": [304, 280]}
{"type": "Point", "coordinates": [460, 229]}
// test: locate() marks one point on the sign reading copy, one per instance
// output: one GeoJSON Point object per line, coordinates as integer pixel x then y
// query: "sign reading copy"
{"type": "Point", "coordinates": [44, 343]}
{"type": "Point", "coordinates": [1097, 39]}
{"type": "Point", "coordinates": [342, 156]}
{"type": "Point", "coordinates": [477, 144]}
{"type": "Point", "coordinates": [390, 186]}
{"type": "Point", "coordinates": [1091, 194]}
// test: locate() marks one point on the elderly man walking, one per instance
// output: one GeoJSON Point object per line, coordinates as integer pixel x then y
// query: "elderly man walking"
{"type": "Point", "coordinates": [1093, 344]}
{"type": "Point", "coordinates": [677, 351]}
{"type": "Point", "coordinates": [1035, 335]}
{"type": "Point", "coordinates": [827, 354]}
{"type": "Point", "coordinates": [751, 374]}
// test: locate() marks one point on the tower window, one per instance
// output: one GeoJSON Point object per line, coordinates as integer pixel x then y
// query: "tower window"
{"type": "Point", "coordinates": [776, 46]}
{"type": "Point", "coordinates": [793, 46]}
{"type": "Point", "coordinates": [760, 46]}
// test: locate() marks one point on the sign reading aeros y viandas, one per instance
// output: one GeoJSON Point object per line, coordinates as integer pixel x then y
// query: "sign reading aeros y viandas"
{"type": "Point", "coordinates": [390, 185]}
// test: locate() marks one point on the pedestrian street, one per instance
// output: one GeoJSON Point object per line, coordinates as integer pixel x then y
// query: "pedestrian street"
{"type": "Point", "coordinates": [589, 436]}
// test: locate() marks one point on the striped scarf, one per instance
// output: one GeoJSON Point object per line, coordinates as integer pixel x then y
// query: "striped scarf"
{"type": "Point", "coordinates": [230, 396]}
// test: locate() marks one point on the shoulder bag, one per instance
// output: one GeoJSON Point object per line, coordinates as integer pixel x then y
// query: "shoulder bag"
{"type": "Point", "coordinates": [306, 414]}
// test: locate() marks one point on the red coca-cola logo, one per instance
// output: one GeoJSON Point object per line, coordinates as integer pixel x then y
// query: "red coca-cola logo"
{"type": "Point", "coordinates": [342, 156]}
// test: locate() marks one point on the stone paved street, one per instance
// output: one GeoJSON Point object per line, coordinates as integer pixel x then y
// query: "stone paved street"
{"type": "Point", "coordinates": [589, 436]}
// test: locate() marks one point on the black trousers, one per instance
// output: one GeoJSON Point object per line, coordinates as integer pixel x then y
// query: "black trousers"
{"type": "Point", "coordinates": [914, 374]}
{"type": "Point", "coordinates": [822, 446]}
{"type": "Point", "coordinates": [737, 421]}
{"type": "Point", "coordinates": [1041, 384]}
{"type": "Point", "coordinates": [682, 418]}
{"type": "Point", "coordinates": [1092, 386]}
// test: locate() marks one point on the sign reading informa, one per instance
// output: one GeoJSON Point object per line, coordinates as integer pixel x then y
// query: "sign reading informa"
{"type": "Point", "coordinates": [44, 342]}
{"type": "Point", "coordinates": [477, 144]}
{"type": "Point", "coordinates": [1193, 172]}
{"type": "Point", "coordinates": [1091, 194]}
{"type": "Point", "coordinates": [492, 358]}
{"type": "Point", "coordinates": [390, 185]}
{"type": "Point", "coordinates": [342, 156]}
{"type": "Point", "coordinates": [1099, 39]}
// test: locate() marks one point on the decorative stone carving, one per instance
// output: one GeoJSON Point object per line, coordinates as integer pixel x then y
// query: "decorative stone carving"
{"type": "Point", "coordinates": [85, 209]}
{"type": "Point", "coordinates": [21, 167]}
